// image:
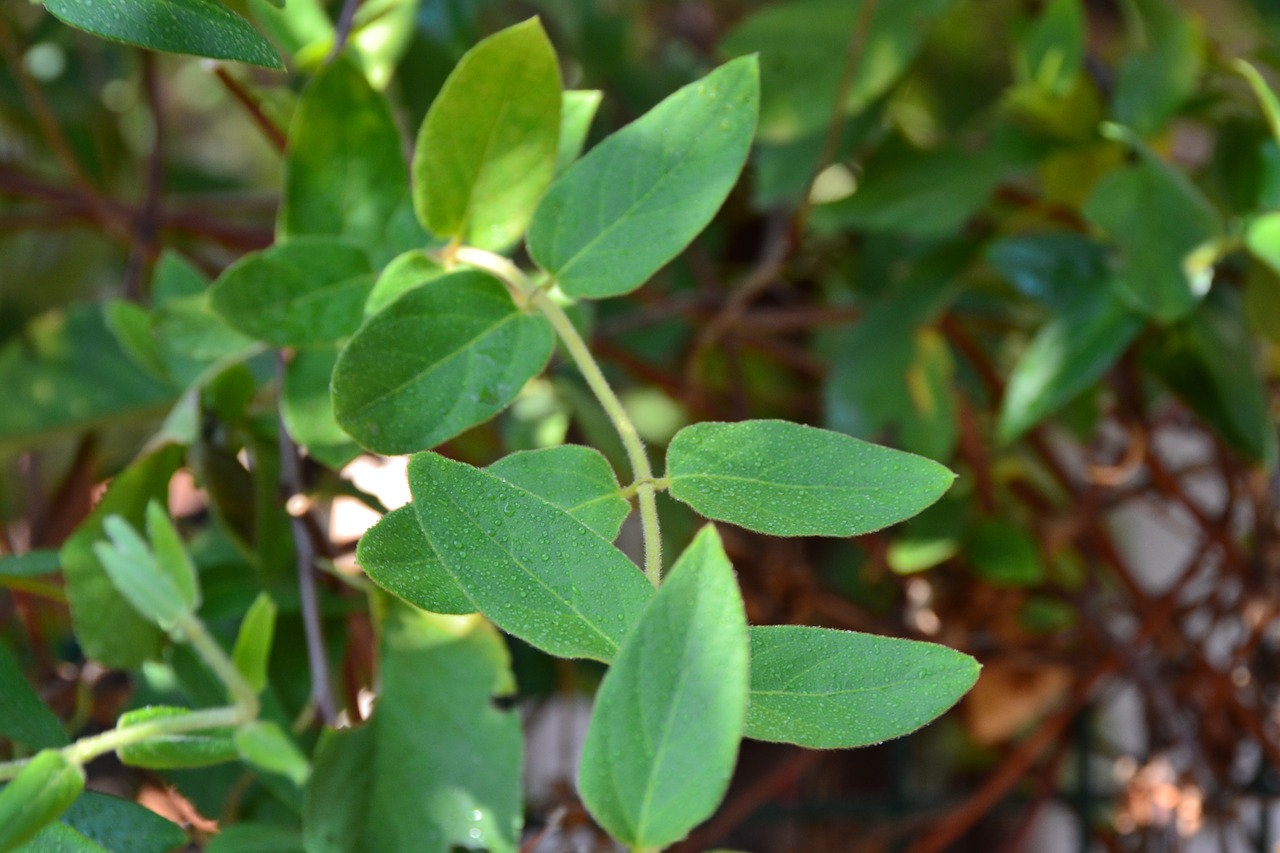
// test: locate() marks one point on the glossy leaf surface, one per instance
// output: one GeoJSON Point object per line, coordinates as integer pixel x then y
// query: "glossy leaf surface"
{"type": "Point", "coordinates": [439, 360]}
{"type": "Point", "coordinates": [532, 568]}
{"type": "Point", "coordinates": [669, 715]}
{"type": "Point", "coordinates": [786, 479]}
{"type": "Point", "coordinates": [487, 148]}
{"type": "Point", "coordinates": [827, 689]}
{"type": "Point", "coordinates": [200, 27]}
{"type": "Point", "coordinates": [307, 291]}
{"type": "Point", "coordinates": [638, 198]}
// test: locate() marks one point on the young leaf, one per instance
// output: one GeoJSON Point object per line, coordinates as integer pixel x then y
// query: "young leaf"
{"type": "Point", "coordinates": [264, 745]}
{"type": "Point", "coordinates": [41, 791]}
{"type": "Point", "coordinates": [439, 360]}
{"type": "Point", "coordinates": [532, 568]}
{"type": "Point", "coordinates": [385, 786]}
{"type": "Point", "coordinates": [405, 272]}
{"type": "Point", "coordinates": [107, 627]}
{"type": "Point", "coordinates": [23, 717]}
{"type": "Point", "coordinates": [307, 291]}
{"type": "Point", "coordinates": [487, 148]}
{"type": "Point", "coordinates": [577, 109]}
{"type": "Point", "coordinates": [639, 197]}
{"type": "Point", "coordinates": [171, 556]}
{"type": "Point", "coordinates": [1066, 356]}
{"type": "Point", "coordinates": [825, 689]}
{"type": "Point", "coordinates": [199, 27]}
{"type": "Point", "coordinates": [133, 569]}
{"type": "Point", "coordinates": [345, 173]}
{"type": "Point", "coordinates": [670, 712]}
{"type": "Point", "coordinates": [252, 651]}
{"type": "Point", "coordinates": [786, 479]}
{"type": "Point", "coordinates": [188, 749]}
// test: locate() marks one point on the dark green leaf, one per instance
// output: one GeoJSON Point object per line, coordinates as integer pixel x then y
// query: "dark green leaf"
{"type": "Point", "coordinates": [105, 624]}
{"type": "Point", "coordinates": [397, 556]}
{"type": "Point", "coordinates": [1154, 82]}
{"type": "Point", "coordinates": [118, 825]}
{"type": "Point", "coordinates": [306, 404]}
{"type": "Point", "coordinates": [532, 568]}
{"type": "Point", "coordinates": [577, 479]}
{"type": "Point", "coordinates": [130, 323]}
{"type": "Point", "coordinates": [826, 689]}
{"type": "Point", "coordinates": [60, 838]}
{"type": "Point", "coordinates": [1004, 554]}
{"type": "Point", "coordinates": [391, 785]}
{"type": "Point", "coordinates": [669, 714]}
{"type": "Point", "coordinates": [23, 717]}
{"type": "Point", "coordinates": [639, 198]}
{"type": "Point", "coordinates": [200, 27]}
{"type": "Point", "coordinates": [307, 291]}
{"type": "Point", "coordinates": [1057, 268]}
{"type": "Point", "coordinates": [29, 565]}
{"type": "Point", "coordinates": [439, 360]}
{"type": "Point", "coordinates": [345, 173]}
{"type": "Point", "coordinates": [256, 838]}
{"type": "Point", "coordinates": [787, 479]}
{"type": "Point", "coordinates": [487, 149]}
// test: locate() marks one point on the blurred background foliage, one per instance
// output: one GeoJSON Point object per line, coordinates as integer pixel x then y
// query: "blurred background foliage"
{"type": "Point", "coordinates": [1036, 241]}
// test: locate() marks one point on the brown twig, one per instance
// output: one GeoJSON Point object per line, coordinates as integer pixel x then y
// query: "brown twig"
{"type": "Point", "coordinates": [251, 106]}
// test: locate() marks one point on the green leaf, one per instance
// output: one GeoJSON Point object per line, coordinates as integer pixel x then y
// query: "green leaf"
{"type": "Point", "coordinates": [439, 360]}
{"type": "Point", "coordinates": [532, 568]}
{"type": "Point", "coordinates": [23, 717]}
{"type": "Point", "coordinates": [306, 404]}
{"type": "Point", "coordinates": [133, 569]}
{"type": "Point", "coordinates": [345, 173]}
{"type": "Point", "coordinates": [1153, 83]}
{"type": "Point", "coordinates": [171, 556]}
{"type": "Point", "coordinates": [252, 651]}
{"type": "Point", "coordinates": [391, 785]}
{"type": "Point", "coordinates": [577, 110]}
{"type": "Point", "coordinates": [31, 564]}
{"type": "Point", "coordinates": [397, 556]}
{"type": "Point", "coordinates": [256, 838]}
{"type": "Point", "coordinates": [130, 323]}
{"type": "Point", "coordinates": [1004, 554]}
{"type": "Point", "coordinates": [1066, 356]}
{"type": "Point", "coordinates": [405, 272]}
{"type": "Point", "coordinates": [173, 751]}
{"type": "Point", "coordinates": [1209, 362]}
{"type": "Point", "coordinates": [802, 45]}
{"type": "Point", "coordinates": [825, 689]}
{"type": "Point", "coordinates": [487, 149]}
{"type": "Point", "coordinates": [637, 199]}
{"type": "Point", "coordinates": [107, 627]}
{"type": "Point", "coordinates": [307, 291]}
{"type": "Point", "coordinates": [787, 479]}
{"type": "Point", "coordinates": [199, 27]}
{"type": "Point", "coordinates": [1158, 219]}
{"type": "Point", "coordinates": [1056, 268]}
{"type": "Point", "coordinates": [1052, 54]}
{"type": "Point", "coordinates": [57, 837]}
{"type": "Point", "coordinates": [577, 479]}
{"type": "Point", "coordinates": [1266, 97]}
{"type": "Point", "coordinates": [41, 791]}
{"type": "Point", "coordinates": [116, 824]}
{"type": "Point", "coordinates": [67, 373]}
{"type": "Point", "coordinates": [1263, 240]}
{"type": "Point", "coordinates": [265, 746]}
{"type": "Point", "coordinates": [669, 715]}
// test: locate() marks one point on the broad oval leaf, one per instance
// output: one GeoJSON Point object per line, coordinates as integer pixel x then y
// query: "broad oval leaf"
{"type": "Point", "coordinates": [787, 479]}
{"type": "Point", "coordinates": [310, 290]}
{"type": "Point", "coordinates": [397, 556]}
{"type": "Point", "coordinates": [670, 712]}
{"type": "Point", "coordinates": [439, 360]}
{"type": "Point", "coordinates": [199, 27]}
{"type": "Point", "coordinates": [345, 173]}
{"type": "Point", "coordinates": [827, 689]}
{"type": "Point", "coordinates": [639, 198]}
{"type": "Point", "coordinates": [532, 568]}
{"type": "Point", "coordinates": [1064, 358]}
{"type": "Point", "coordinates": [487, 148]}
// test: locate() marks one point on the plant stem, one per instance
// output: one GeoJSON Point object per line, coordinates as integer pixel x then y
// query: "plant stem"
{"type": "Point", "coordinates": [242, 693]}
{"type": "Point", "coordinates": [640, 468]}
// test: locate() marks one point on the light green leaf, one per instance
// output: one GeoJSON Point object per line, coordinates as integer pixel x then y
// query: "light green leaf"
{"type": "Point", "coordinates": [1052, 53]}
{"type": "Point", "coordinates": [802, 45]}
{"type": "Point", "coordinates": [787, 479]}
{"type": "Point", "coordinates": [577, 109]}
{"type": "Point", "coordinates": [637, 199]}
{"type": "Point", "coordinates": [825, 689]}
{"type": "Point", "coordinates": [188, 749]}
{"type": "Point", "coordinates": [439, 360]}
{"type": "Point", "coordinates": [1263, 240]}
{"type": "Point", "coordinates": [252, 650]}
{"type": "Point", "coordinates": [23, 717]}
{"type": "Point", "coordinates": [133, 569]}
{"type": "Point", "coordinates": [42, 790]}
{"type": "Point", "coordinates": [1158, 219]}
{"type": "Point", "coordinates": [577, 479]}
{"type": "Point", "coordinates": [1066, 356]}
{"type": "Point", "coordinates": [487, 149]}
{"type": "Point", "coordinates": [307, 291]}
{"type": "Point", "coordinates": [171, 556]}
{"type": "Point", "coordinates": [306, 404]}
{"type": "Point", "coordinates": [387, 787]}
{"type": "Point", "coordinates": [405, 272]}
{"type": "Point", "coordinates": [199, 27]}
{"type": "Point", "coordinates": [1262, 91]}
{"type": "Point", "coordinates": [532, 568]}
{"type": "Point", "coordinates": [669, 715]}
{"type": "Point", "coordinates": [345, 172]}
{"type": "Point", "coordinates": [107, 627]}
{"type": "Point", "coordinates": [264, 745]}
